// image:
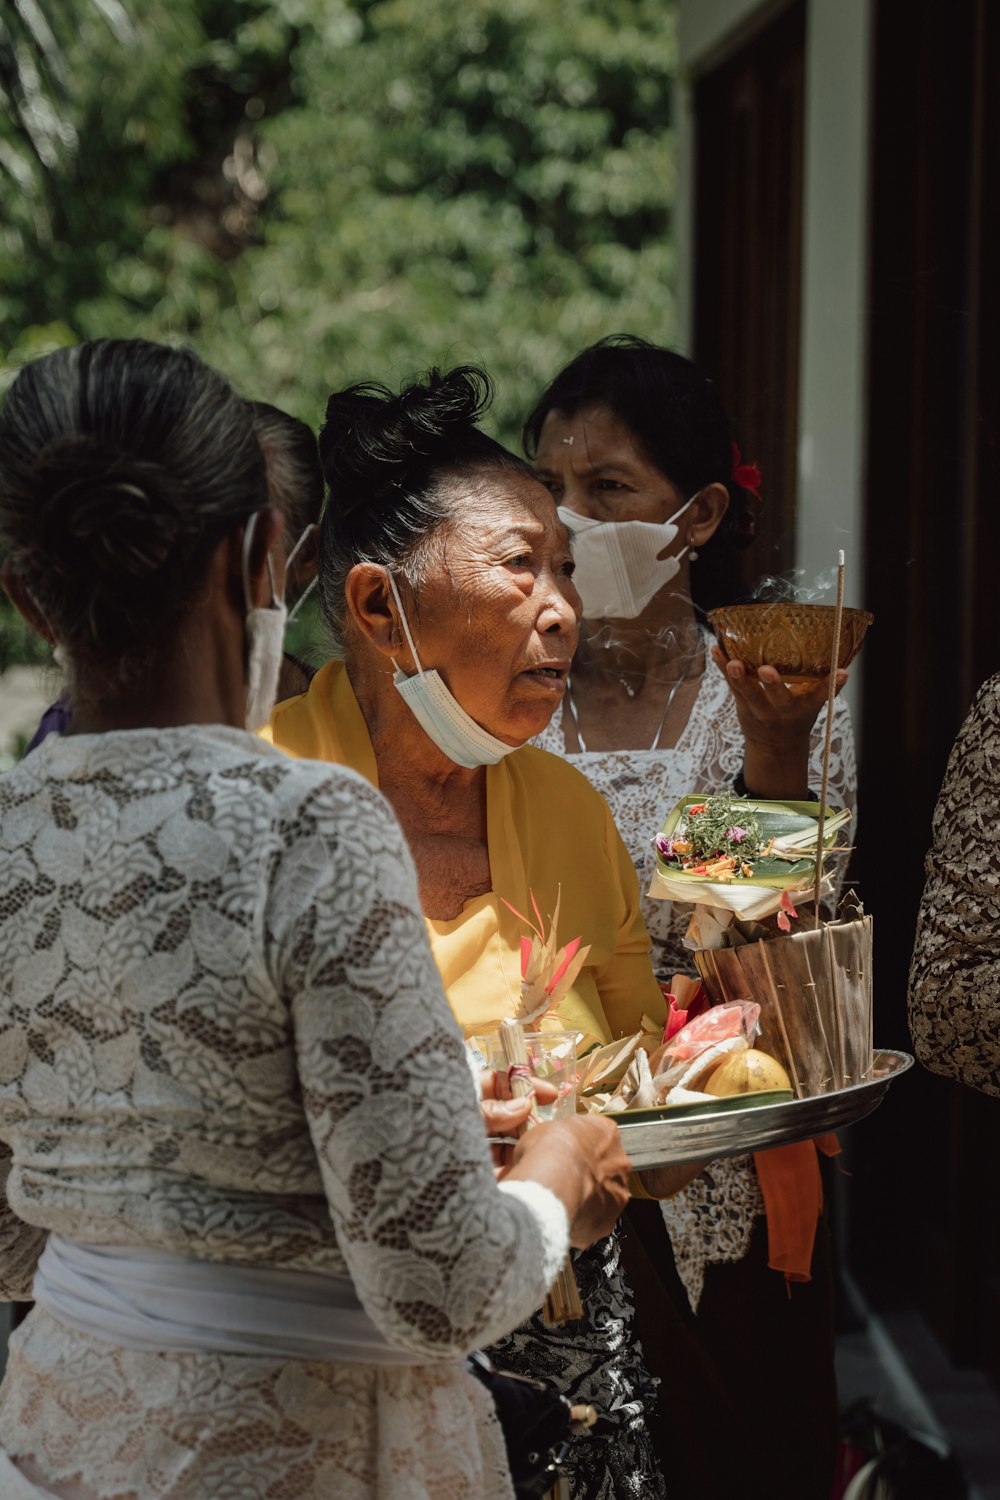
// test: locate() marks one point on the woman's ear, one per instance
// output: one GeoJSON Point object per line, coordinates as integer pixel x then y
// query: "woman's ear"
{"type": "Point", "coordinates": [374, 613]}
{"type": "Point", "coordinates": [17, 593]}
{"type": "Point", "coordinates": [707, 512]}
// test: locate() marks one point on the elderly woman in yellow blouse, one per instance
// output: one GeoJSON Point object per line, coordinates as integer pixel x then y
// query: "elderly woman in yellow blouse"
{"type": "Point", "coordinates": [446, 581]}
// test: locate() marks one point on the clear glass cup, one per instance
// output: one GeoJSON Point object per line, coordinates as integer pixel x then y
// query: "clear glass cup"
{"type": "Point", "coordinates": [552, 1057]}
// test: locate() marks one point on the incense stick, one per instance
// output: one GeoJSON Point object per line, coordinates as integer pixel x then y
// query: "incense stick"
{"type": "Point", "coordinates": [838, 616]}
{"type": "Point", "coordinates": [563, 1303]}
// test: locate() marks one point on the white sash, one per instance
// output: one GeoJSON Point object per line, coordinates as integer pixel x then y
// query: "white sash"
{"type": "Point", "coordinates": [156, 1301]}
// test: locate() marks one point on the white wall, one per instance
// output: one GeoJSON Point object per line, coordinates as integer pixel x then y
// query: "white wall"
{"type": "Point", "coordinates": [832, 370]}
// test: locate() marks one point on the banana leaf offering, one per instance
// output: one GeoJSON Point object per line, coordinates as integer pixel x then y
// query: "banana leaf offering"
{"type": "Point", "coordinates": [739, 853]}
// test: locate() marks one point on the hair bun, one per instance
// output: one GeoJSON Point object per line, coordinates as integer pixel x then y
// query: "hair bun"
{"type": "Point", "coordinates": [373, 440]}
{"type": "Point", "coordinates": [104, 508]}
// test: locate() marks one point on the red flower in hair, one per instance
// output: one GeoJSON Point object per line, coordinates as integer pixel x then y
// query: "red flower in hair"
{"type": "Point", "coordinates": [747, 476]}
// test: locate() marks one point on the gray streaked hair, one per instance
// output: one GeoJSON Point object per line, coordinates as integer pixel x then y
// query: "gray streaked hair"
{"type": "Point", "coordinates": [390, 463]}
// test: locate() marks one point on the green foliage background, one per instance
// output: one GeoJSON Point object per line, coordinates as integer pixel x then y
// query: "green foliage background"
{"type": "Point", "coordinates": [317, 191]}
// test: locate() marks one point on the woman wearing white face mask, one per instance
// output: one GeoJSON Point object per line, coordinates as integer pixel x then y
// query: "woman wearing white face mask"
{"type": "Point", "coordinates": [250, 1276]}
{"type": "Point", "coordinates": [447, 583]}
{"type": "Point", "coordinates": [635, 447]}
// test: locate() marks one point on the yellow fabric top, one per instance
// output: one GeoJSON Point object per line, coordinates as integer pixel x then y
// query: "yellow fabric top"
{"type": "Point", "coordinates": [546, 828]}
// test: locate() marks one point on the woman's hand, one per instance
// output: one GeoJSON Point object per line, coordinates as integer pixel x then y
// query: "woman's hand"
{"type": "Point", "coordinates": [503, 1115]}
{"type": "Point", "coordinates": [776, 725]}
{"type": "Point", "coordinates": [583, 1162]}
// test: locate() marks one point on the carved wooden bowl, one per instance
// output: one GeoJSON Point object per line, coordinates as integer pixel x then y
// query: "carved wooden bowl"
{"type": "Point", "coordinates": [796, 639]}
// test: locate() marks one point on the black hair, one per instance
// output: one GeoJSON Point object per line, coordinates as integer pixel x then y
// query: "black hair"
{"type": "Point", "coordinates": [387, 461]}
{"type": "Point", "coordinates": [122, 464]}
{"type": "Point", "coordinates": [294, 475]}
{"type": "Point", "coordinates": [674, 412]}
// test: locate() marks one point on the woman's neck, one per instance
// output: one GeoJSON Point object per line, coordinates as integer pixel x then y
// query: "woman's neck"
{"type": "Point", "coordinates": [200, 683]}
{"type": "Point", "coordinates": [413, 773]}
{"type": "Point", "coordinates": [441, 807]}
{"type": "Point", "coordinates": [635, 682]}
{"type": "Point", "coordinates": [656, 647]}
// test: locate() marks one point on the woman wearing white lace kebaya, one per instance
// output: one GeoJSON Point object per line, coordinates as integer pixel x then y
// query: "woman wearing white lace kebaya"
{"type": "Point", "coordinates": [637, 450]}
{"type": "Point", "coordinates": [246, 1176]}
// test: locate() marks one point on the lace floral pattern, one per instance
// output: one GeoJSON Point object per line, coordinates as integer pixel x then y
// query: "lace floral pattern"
{"type": "Point", "coordinates": [954, 1016]}
{"type": "Point", "coordinates": [176, 1426]}
{"type": "Point", "coordinates": [222, 1033]}
{"type": "Point", "coordinates": [713, 1218]}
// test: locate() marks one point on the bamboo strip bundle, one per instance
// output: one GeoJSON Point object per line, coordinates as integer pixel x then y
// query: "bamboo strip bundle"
{"type": "Point", "coordinates": [814, 990]}
{"type": "Point", "coordinates": [562, 1305]}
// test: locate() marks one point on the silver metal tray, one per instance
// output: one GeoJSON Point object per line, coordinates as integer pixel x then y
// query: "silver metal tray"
{"type": "Point", "coordinates": [666, 1142]}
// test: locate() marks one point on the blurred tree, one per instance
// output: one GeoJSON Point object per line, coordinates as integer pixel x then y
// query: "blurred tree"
{"type": "Point", "coordinates": [317, 191]}
{"type": "Point", "coordinates": [472, 179]}
{"type": "Point", "coordinates": [126, 172]}
{"type": "Point", "coordinates": [380, 183]}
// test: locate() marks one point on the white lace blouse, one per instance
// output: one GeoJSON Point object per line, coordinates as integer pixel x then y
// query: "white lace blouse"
{"type": "Point", "coordinates": [712, 1219]}
{"type": "Point", "coordinates": [222, 1034]}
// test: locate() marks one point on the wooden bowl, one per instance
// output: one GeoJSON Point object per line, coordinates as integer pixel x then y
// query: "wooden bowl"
{"type": "Point", "coordinates": [796, 639]}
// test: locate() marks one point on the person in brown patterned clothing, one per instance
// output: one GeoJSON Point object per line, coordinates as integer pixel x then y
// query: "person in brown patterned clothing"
{"type": "Point", "coordinates": [955, 971]}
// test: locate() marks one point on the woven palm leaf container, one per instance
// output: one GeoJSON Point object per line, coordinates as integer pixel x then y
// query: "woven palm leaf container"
{"type": "Point", "coordinates": [814, 989]}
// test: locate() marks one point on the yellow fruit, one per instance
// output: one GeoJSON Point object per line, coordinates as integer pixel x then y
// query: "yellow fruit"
{"type": "Point", "coordinates": [748, 1072]}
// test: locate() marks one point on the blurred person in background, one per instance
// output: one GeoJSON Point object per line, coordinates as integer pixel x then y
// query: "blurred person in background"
{"type": "Point", "coordinates": [639, 455]}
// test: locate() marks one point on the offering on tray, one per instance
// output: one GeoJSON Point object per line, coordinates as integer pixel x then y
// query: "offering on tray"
{"type": "Point", "coordinates": [748, 1072]}
{"type": "Point", "coordinates": [796, 639]}
{"type": "Point", "coordinates": [814, 989]}
{"type": "Point", "coordinates": [669, 1137]}
{"type": "Point", "coordinates": [709, 1058]}
{"type": "Point", "coordinates": [755, 934]}
{"type": "Point", "coordinates": [740, 853]}
{"type": "Point", "coordinates": [548, 972]}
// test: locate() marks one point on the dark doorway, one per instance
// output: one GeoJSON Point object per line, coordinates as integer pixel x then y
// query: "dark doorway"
{"type": "Point", "coordinates": [925, 1223]}
{"type": "Point", "coordinates": [748, 256]}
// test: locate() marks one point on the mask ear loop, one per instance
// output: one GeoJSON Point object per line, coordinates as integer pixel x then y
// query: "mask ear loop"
{"type": "Point", "coordinates": [300, 544]}
{"type": "Point", "coordinates": [403, 620]}
{"type": "Point", "coordinates": [687, 547]}
{"type": "Point", "coordinates": [302, 598]}
{"type": "Point", "coordinates": [686, 506]}
{"type": "Point", "coordinates": [288, 565]}
{"type": "Point", "coordinates": [248, 533]}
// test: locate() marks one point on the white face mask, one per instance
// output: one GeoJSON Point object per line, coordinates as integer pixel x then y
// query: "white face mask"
{"type": "Point", "coordinates": [439, 713]}
{"type": "Point", "coordinates": [265, 640]}
{"type": "Point", "coordinates": [618, 564]}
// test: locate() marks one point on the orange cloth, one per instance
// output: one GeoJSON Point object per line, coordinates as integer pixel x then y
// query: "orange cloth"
{"type": "Point", "coordinates": [793, 1200]}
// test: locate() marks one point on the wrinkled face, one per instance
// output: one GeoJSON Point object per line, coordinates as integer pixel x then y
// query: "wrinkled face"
{"type": "Point", "coordinates": [497, 613]}
{"type": "Point", "coordinates": [590, 463]}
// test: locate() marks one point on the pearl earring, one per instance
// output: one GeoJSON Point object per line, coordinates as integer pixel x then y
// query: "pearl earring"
{"type": "Point", "coordinates": [692, 554]}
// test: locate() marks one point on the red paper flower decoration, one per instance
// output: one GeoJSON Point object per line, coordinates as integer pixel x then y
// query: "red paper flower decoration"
{"type": "Point", "coordinates": [747, 476]}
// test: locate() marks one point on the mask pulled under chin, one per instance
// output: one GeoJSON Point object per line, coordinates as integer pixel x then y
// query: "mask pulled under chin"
{"type": "Point", "coordinates": [439, 713]}
{"type": "Point", "coordinates": [445, 721]}
{"type": "Point", "coordinates": [618, 568]}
